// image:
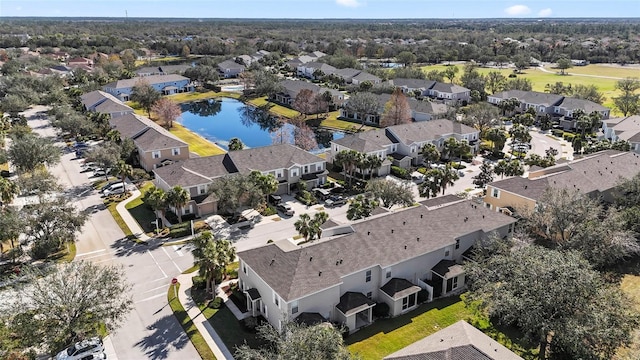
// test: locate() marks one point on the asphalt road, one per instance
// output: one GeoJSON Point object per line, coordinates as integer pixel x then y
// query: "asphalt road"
{"type": "Point", "coordinates": [150, 331]}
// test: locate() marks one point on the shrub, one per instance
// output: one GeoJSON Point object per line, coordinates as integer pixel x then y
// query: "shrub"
{"type": "Point", "coordinates": [400, 172]}
{"type": "Point", "coordinates": [568, 137]}
{"type": "Point", "coordinates": [216, 303]}
{"type": "Point", "coordinates": [250, 324]}
{"type": "Point", "coordinates": [381, 310]}
{"type": "Point", "coordinates": [268, 211]}
{"type": "Point", "coordinates": [457, 166]}
{"type": "Point", "coordinates": [180, 230]}
{"type": "Point", "coordinates": [306, 198]}
{"type": "Point", "coordinates": [557, 132]}
{"type": "Point", "coordinates": [199, 282]}
{"type": "Point", "coordinates": [140, 175]}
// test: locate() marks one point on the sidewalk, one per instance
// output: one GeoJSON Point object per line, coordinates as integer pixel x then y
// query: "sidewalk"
{"type": "Point", "coordinates": [206, 330]}
{"type": "Point", "coordinates": [128, 219]}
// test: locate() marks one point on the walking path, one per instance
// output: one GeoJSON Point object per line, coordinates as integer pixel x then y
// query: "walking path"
{"type": "Point", "coordinates": [128, 218]}
{"type": "Point", "coordinates": [575, 74]}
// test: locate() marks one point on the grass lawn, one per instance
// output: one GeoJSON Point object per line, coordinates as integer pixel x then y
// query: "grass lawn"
{"type": "Point", "coordinates": [603, 70]}
{"type": "Point", "coordinates": [332, 122]}
{"type": "Point", "coordinates": [139, 210]}
{"type": "Point", "coordinates": [275, 109]}
{"type": "Point", "coordinates": [197, 144]}
{"type": "Point", "coordinates": [630, 284]}
{"type": "Point", "coordinates": [386, 336]}
{"type": "Point", "coordinates": [4, 166]}
{"type": "Point", "coordinates": [116, 216]}
{"type": "Point", "coordinates": [539, 78]}
{"type": "Point", "coordinates": [189, 327]}
{"type": "Point", "coordinates": [66, 255]}
{"type": "Point", "coordinates": [194, 96]}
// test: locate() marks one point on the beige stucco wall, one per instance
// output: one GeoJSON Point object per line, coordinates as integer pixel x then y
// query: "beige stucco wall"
{"type": "Point", "coordinates": [147, 161]}
{"type": "Point", "coordinates": [505, 199]}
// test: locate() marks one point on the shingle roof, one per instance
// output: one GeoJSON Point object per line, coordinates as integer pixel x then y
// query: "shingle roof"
{"type": "Point", "coordinates": [95, 97]}
{"type": "Point", "coordinates": [230, 64]}
{"type": "Point", "coordinates": [146, 134]}
{"type": "Point", "coordinates": [310, 319]}
{"type": "Point", "coordinates": [347, 72]}
{"type": "Point", "coordinates": [413, 83]}
{"type": "Point", "coordinates": [167, 69]}
{"type": "Point", "coordinates": [428, 130]}
{"type": "Point", "coordinates": [594, 173]}
{"type": "Point", "coordinates": [109, 106]}
{"type": "Point", "coordinates": [398, 288]}
{"type": "Point", "coordinates": [586, 105]}
{"type": "Point", "coordinates": [325, 68]}
{"type": "Point", "coordinates": [354, 302]}
{"type": "Point", "coordinates": [280, 156]}
{"type": "Point", "coordinates": [459, 341]}
{"type": "Point", "coordinates": [196, 171]}
{"type": "Point", "coordinates": [531, 97]}
{"type": "Point", "coordinates": [365, 76]}
{"type": "Point", "coordinates": [416, 231]}
{"type": "Point", "coordinates": [448, 88]}
{"type": "Point", "coordinates": [448, 269]}
{"type": "Point", "coordinates": [152, 139]}
{"type": "Point", "coordinates": [366, 141]}
{"type": "Point", "coordinates": [151, 80]}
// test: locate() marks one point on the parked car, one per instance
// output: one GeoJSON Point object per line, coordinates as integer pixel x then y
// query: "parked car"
{"type": "Point", "coordinates": [417, 177]}
{"type": "Point", "coordinates": [275, 199]}
{"type": "Point", "coordinates": [114, 189]}
{"type": "Point", "coordinates": [321, 194]}
{"type": "Point", "coordinates": [521, 147]}
{"type": "Point", "coordinates": [285, 208]}
{"type": "Point", "coordinates": [335, 201]}
{"type": "Point", "coordinates": [101, 172]}
{"type": "Point", "coordinates": [86, 349]}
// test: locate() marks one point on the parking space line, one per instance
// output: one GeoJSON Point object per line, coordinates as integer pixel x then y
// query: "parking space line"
{"type": "Point", "coordinates": [157, 264]}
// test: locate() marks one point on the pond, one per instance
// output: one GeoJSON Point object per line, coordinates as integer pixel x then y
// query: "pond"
{"type": "Point", "coordinates": [220, 120]}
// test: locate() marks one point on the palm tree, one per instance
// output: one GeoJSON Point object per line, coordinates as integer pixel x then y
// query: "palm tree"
{"type": "Point", "coordinates": [266, 182]}
{"type": "Point", "coordinates": [449, 177]}
{"type": "Point", "coordinates": [318, 219]}
{"type": "Point", "coordinates": [8, 191]}
{"type": "Point", "coordinates": [123, 170]}
{"type": "Point", "coordinates": [303, 226]}
{"type": "Point", "coordinates": [156, 199]}
{"type": "Point", "coordinates": [113, 136]}
{"type": "Point", "coordinates": [212, 257]}
{"type": "Point", "coordinates": [177, 198]}
{"type": "Point", "coordinates": [373, 162]}
{"type": "Point", "coordinates": [498, 138]}
{"type": "Point", "coordinates": [430, 154]}
{"type": "Point", "coordinates": [348, 160]}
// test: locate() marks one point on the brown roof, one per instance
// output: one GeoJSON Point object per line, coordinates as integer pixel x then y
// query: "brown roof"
{"type": "Point", "coordinates": [388, 239]}
{"type": "Point", "coordinates": [272, 157]}
{"type": "Point", "coordinates": [429, 130]}
{"type": "Point", "coordinates": [459, 341]}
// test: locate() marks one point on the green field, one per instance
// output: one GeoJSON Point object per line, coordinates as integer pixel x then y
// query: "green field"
{"type": "Point", "coordinates": [540, 78]}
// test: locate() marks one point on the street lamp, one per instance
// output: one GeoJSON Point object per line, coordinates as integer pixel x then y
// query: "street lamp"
{"type": "Point", "coordinates": [155, 222]}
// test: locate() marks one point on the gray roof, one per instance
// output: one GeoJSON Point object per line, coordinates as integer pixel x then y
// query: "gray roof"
{"type": "Point", "coordinates": [347, 73]}
{"type": "Point", "coordinates": [151, 80]}
{"type": "Point", "coordinates": [93, 98]}
{"type": "Point", "coordinates": [325, 68]}
{"type": "Point", "coordinates": [413, 83]}
{"type": "Point", "coordinates": [627, 127]}
{"type": "Point", "coordinates": [109, 106]}
{"type": "Point", "coordinates": [354, 302]}
{"type": "Point", "coordinates": [196, 171]}
{"type": "Point", "coordinates": [427, 107]}
{"type": "Point", "coordinates": [365, 76]}
{"type": "Point", "coordinates": [398, 288]}
{"type": "Point", "coordinates": [594, 173]}
{"type": "Point", "coordinates": [389, 239]}
{"type": "Point", "coordinates": [460, 341]}
{"type": "Point", "coordinates": [448, 269]}
{"type": "Point", "coordinates": [146, 134]}
{"type": "Point", "coordinates": [448, 88]}
{"type": "Point", "coordinates": [230, 64]}
{"type": "Point", "coordinates": [531, 97]}
{"type": "Point", "coordinates": [366, 141]}
{"type": "Point", "coordinates": [310, 319]}
{"type": "Point", "coordinates": [586, 105]}
{"type": "Point", "coordinates": [429, 130]}
{"type": "Point", "coordinates": [266, 158]}
{"type": "Point", "coordinates": [166, 69]}
{"type": "Point", "coordinates": [201, 170]}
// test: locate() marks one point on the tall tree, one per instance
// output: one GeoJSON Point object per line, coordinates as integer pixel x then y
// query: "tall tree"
{"type": "Point", "coordinates": [267, 183]}
{"type": "Point", "coordinates": [105, 156]}
{"type": "Point", "coordinates": [391, 193]}
{"type": "Point", "coordinates": [156, 199]}
{"type": "Point", "coordinates": [437, 180]}
{"type": "Point", "coordinates": [122, 170]}
{"type": "Point", "coordinates": [495, 81]}
{"type": "Point", "coordinates": [430, 154]}
{"type": "Point", "coordinates": [304, 137]}
{"type": "Point", "coordinates": [397, 110]}
{"type": "Point", "coordinates": [38, 182]}
{"type": "Point", "coordinates": [236, 192]}
{"type": "Point", "coordinates": [167, 111]}
{"type": "Point", "coordinates": [12, 225]}
{"type": "Point", "coordinates": [481, 116]}
{"type": "Point", "coordinates": [406, 58]}
{"type": "Point", "coordinates": [450, 72]}
{"type": "Point", "coordinates": [361, 207]}
{"type": "Point", "coordinates": [212, 257]}
{"type": "Point", "coordinates": [145, 95]}
{"type": "Point", "coordinates": [348, 160]}
{"type": "Point", "coordinates": [30, 152]}
{"type": "Point", "coordinates": [556, 299]}
{"type": "Point", "coordinates": [75, 300]}
{"type": "Point", "coordinates": [628, 103]}
{"type": "Point", "coordinates": [508, 168]}
{"type": "Point", "coordinates": [178, 197]}
{"type": "Point", "coordinates": [297, 342]}
{"type": "Point", "coordinates": [485, 176]}
{"type": "Point", "coordinates": [235, 144]}
{"type": "Point", "coordinates": [563, 64]}
{"type": "Point", "coordinates": [303, 102]}
{"type": "Point", "coordinates": [311, 227]}
{"type": "Point", "coordinates": [372, 162]}
{"type": "Point", "coordinates": [266, 83]}
{"type": "Point", "coordinates": [8, 191]}
{"type": "Point", "coordinates": [362, 104]}
{"type": "Point", "coordinates": [498, 139]}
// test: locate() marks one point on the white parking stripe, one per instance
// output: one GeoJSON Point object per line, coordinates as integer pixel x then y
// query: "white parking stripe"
{"type": "Point", "coordinates": [90, 252]}
{"type": "Point", "coordinates": [159, 267]}
{"type": "Point", "coordinates": [151, 297]}
{"type": "Point", "coordinates": [177, 250]}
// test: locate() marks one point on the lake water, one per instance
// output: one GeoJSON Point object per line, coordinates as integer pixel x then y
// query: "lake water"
{"type": "Point", "coordinates": [220, 120]}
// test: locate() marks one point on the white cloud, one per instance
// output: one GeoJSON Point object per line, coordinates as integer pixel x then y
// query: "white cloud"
{"type": "Point", "coordinates": [348, 3]}
{"type": "Point", "coordinates": [545, 12]}
{"type": "Point", "coordinates": [517, 10]}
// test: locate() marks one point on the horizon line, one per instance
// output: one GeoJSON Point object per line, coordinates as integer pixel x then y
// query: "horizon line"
{"type": "Point", "coordinates": [301, 18]}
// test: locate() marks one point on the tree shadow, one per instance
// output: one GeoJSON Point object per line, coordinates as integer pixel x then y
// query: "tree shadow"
{"type": "Point", "coordinates": [166, 334]}
{"type": "Point", "coordinates": [126, 247]}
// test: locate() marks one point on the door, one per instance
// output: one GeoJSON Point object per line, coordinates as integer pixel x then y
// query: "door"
{"type": "Point", "coordinates": [449, 285]}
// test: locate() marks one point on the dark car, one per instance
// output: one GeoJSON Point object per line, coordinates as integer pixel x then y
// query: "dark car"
{"type": "Point", "coordinates": [335, 201]}
{"type": "Point", "coordinates": [275, 199]}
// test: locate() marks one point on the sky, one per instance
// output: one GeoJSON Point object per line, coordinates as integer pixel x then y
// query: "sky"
{"type": "Point", "coordinates": [318, 9]}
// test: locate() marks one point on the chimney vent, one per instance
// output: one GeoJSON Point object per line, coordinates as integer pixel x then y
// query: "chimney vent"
{"type": "Point", "coordinates": [392, 231]}
{"type": "Point", "coordinates": [420, 216]}
{"type": "Point", "coordinates": [319, 273]}
{"type": "Point", "coordinates": [272, 261]}
{"type": "Point", "coordinates": [405, 247]}
{"type": "Point", "coordinates": [404, 223]}
{"type": "Point", "coordinates": [368, 232]}
{"type": "Point", "coordinates": [310, 258]}
{"type": "Point", "coordinates": [418, 239]}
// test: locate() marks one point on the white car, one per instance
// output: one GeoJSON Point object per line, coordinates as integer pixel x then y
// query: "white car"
{"type": "Point", "coordinates": [86, 349]}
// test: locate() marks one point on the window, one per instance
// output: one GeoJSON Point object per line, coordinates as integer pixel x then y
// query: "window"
{"type": "Point", "coordinates": [278, 174]}
{"type": "Point", "coordinates": [155, 154]}
{"type": "Point", "coordinates": [294, 307]}
{"type": "Point", "coordinates": [369, 294]}
{"type": "Point", "coordinates": [244, 269]}
{"type": "Point", "coordinates": [276, 299]}
{"type": "Point", "coordinates": [306, 169]}
{"type": "Point", "coordinates": [495, 193]}
{"type": "Point", "coordinates": [175, 151]}
{"type": "Point", "coordinates": [408, 301]}
{"type": "Point", "coordinates": [457, 244]}
{"type": "Point", "coordinates": [202, 189]}
{"type": "Point", "coordinates": [405, 303]}
{"type": "Point", "coordinates": [294, 172]}
{"type": "Point", "coordinates": [388, 275]}
{"type": "Point", "coordinates": [446, 252]}
{"type": "Point", "coordinates": [368, 276]}
{"type": "Point", "coordinates": [455, 282]}
{"type": "Point", "coordinates": [264, 310]}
